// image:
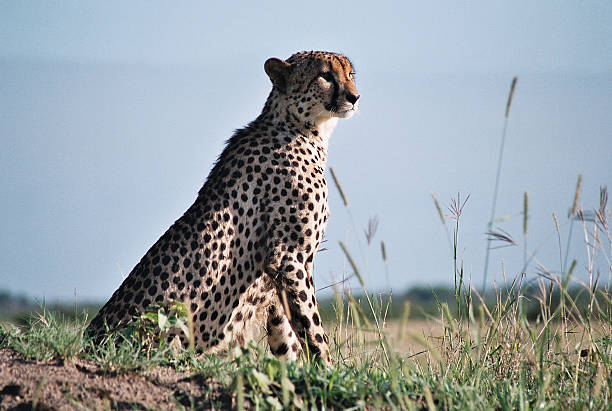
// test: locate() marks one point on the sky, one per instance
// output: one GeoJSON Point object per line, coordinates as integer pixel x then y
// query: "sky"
{"type": "Point", "coordinates": [113, 113]}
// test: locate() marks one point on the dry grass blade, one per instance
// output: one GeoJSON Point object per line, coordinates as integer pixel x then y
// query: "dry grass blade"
{"type": "Point", "coordinates": [339, 187]}
{"type": "Point", "coordinates": [511, 95]}
{"type": "Point", "coordinates": [353, 265]}
{"type": "Point", "coordinates": [501, 235]}
{"type": "Point", "coordinates": [601, 212]}
{"type": "Point", "coordinates": [585, 216]}
{"type": "Point", "coordinates": [336, 283]}
{"type": "Point", "coordinates": [543, 272]}
{"type": "Point", "coordinates": [383, 250]}
{"type": "Point", "coordinates": [576, 195]}
{"type": "Point", "coordinates": [371, 230]}
{"type": "Point", "coordinates": [439, 209]}
{"type": "Point", "coordinates": [525, 211]}
{"type": "Point", "coordinates": [497, 179]}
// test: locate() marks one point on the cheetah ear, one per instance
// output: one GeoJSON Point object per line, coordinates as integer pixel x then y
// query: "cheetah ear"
{"type": "Point", "coordinates": [278, 71]}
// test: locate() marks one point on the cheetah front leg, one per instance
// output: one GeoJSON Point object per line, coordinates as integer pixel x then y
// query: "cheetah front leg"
{"type": "Point", "coordinates": [281, 337]}
{"type": "Point", "coordinates": [294, 285]}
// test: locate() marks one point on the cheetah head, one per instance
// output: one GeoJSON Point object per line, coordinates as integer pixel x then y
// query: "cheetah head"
{"type": "Point", "coordinates": [314, 86]}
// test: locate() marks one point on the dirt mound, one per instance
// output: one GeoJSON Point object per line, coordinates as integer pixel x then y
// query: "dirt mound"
{"type": "Point", "coordinates": [29, 385]}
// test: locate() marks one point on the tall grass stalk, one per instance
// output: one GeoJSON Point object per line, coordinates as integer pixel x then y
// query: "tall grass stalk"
{"type": "Point", "coordinates": [443, 221]}
{"type": "Point", "coordinates": [497, 179]}
{"type": "Point", "coordinates": [350, 214]}
{"type": "Point", "coordinates": [572, 216]}
{"type": "Point", "coordinates": [525, 226]}
{"type": "Point", "coordinates": [374, 305]}
{"type": "Point", "coordinates": [462, 293]}
{"type": "Point", "coordinates": [368, 299]}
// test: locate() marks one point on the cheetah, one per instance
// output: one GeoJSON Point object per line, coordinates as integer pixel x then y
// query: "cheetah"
{"type": "Point", "coordinates": [242, 255]}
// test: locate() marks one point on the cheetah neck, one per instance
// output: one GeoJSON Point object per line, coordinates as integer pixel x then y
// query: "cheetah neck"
{"type": "Point", "coordinates": [319, 129]}
{"type": "Point", "coordinates": [321, 132]}
{"type": "Point", "coordinates": [325, 126]}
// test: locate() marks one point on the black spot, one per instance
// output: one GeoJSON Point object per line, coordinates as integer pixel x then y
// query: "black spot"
{"type": "Point", "coordinates": [138, 298]}
{"type": "Point", "coordinates": [282, 349]}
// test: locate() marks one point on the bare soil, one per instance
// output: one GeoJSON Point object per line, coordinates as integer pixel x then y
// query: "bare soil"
{"type": "Point", "coordinates": [26, 385]}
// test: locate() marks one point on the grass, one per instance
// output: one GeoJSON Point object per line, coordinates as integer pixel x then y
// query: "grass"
{"type": "Point", "coordinates": [489, 359]}
{"type": "Point", "coordinates": [46, 337]}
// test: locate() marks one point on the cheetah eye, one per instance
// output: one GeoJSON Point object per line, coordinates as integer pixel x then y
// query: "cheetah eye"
{"type": "Point", "coordinates": [352, 75]}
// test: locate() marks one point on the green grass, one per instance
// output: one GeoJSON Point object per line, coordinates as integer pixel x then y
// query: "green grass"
{"type": "Point", "coordinates": [46, 337]}
{"type": "Point", "coordinates": [486, 357]}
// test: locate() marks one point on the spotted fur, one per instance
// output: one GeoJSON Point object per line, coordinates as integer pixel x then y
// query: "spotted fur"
{"type": "Point", "coordinates": [243, 253]}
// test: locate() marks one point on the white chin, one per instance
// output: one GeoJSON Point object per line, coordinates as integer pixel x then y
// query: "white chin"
{"type": "Point", "coordinates": [344, 114]}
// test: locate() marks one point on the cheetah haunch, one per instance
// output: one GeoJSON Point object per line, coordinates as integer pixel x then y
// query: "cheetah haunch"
{"type": "Point", "coordinates": [243, 252]}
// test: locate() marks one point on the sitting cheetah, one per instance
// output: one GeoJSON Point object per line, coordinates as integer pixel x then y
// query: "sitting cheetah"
{"type": "Point", "coordinates": [243, 253]}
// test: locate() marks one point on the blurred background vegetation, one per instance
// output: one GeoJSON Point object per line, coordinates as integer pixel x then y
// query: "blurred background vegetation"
{"type": "Point", "coordinates": [415, 303]}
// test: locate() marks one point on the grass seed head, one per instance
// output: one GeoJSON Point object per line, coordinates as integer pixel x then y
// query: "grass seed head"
{"type": "Point", "coordinates": [511, 95]}
{"type": "Point", "coordinates": [577, 194]}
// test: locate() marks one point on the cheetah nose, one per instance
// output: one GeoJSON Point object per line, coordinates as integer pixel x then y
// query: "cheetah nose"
{"type": "Point", "coordinates": [352, 98]}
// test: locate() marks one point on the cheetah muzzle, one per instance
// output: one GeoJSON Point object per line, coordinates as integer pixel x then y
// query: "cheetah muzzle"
{"type": "Point", "coordinates": [243, 253]}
